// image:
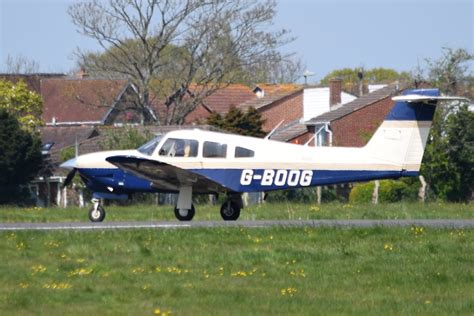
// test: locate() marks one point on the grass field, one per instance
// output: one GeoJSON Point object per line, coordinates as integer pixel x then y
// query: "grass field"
{"type": "Point", "coordinates": [253, 212]}
{"type": "Point", "coordinates": [238, 272]}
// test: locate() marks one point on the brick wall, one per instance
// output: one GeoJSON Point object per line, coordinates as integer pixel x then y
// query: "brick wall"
{"type": "Point", "coordinates": [289, 108]}
{"type": "Point", "coordinates": [302, 139]}
{"type": "Point", "coordinates": [355, 129]}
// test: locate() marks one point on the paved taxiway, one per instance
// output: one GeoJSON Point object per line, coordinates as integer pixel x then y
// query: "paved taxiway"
{"type": "Point", "coordinates": [433, 223]}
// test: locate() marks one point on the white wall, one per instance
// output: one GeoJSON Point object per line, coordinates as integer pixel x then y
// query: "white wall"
{"type": "Point", "coordinates": [316, 101]}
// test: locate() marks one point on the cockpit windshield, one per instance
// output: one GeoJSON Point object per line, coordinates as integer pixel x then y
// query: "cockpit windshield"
{"type": "Point", "coordinates": [149, 148]}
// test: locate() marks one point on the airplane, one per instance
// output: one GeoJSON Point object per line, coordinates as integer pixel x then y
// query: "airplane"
{"type": "Point", "coordinates": [191, 162]}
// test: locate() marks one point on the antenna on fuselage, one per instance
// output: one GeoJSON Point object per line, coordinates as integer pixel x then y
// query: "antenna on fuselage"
{"type": "Point", "coordinates": [76, 147]}
{"type": "Point", "coordinates": [309, 141]}
{"type": "Point", "coordinates": [274, 130]}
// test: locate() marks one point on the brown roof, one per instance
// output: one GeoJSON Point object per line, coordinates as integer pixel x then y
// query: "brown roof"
{"type": "Point", "coordinates": [79, 100]}
{"type": "Point", "coordinates": [290, 131]}
{"type": "Point", "coordinates": [33, 81]}
{"type": "Point", "coordinates": [355, 105]}
{"type": "Point", "coordinates": [64, 136]}
{"type": "Point", "coordinates": [272, 93]}
{"type": "Point", "coordinates": [223, 99]}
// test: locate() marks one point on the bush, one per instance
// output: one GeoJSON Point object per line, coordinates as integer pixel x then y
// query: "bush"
{"type": "Point", "coordinates": [390, 191]}
{"type": "Point", "coordinates": [362, 193]}
{"type": "Point", "coordinates": [305, 195]}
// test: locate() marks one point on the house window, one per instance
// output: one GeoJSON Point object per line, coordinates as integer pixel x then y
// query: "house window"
{"type": "Point", "coordinates": [174, 147]}
{"type": "Point", "coordinates": [214, 150]}
{"type": "Point", "coordinates": [241, 152]}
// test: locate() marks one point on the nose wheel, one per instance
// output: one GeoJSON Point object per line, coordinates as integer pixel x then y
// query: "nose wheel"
{"type": "Point", "coordinates": [184, 214]}
{"type": "Point", "coordinates": [97, 212]}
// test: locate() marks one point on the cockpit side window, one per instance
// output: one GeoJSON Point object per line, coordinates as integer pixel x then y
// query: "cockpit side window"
{"type": "Point", "coordinates": [214, 150]}
{"type": "Point", "coordinates": [149, 147]}
{"type": "Point", "coordinates": [241, 152]}
{"type": "Point", "coordinates": [175, 147]}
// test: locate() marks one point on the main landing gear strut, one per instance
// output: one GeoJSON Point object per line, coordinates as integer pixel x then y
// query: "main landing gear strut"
{"type": "Point", "coordinates": [184, 210]}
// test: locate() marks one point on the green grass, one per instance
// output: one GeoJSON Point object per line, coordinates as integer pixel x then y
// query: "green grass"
{"type": "Point", "coordinates": [238, 271]}
{"type": "Point", "coordinates": [253, 212]}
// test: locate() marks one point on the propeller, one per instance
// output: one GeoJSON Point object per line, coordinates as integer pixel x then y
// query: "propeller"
{"type": "Point", "coordinates": [69, 177]}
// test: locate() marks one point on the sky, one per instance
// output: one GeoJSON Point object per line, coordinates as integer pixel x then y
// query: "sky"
{"type": "Point", "coordinates": [330, 34]}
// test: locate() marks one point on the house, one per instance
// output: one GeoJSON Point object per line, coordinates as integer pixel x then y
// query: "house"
{"type": "Point", "coordinates": [349, 125]}
{"type": "Point", "coordinates": [296, 103]}
{"type": "Point", "coordinates": [220, 102]}
{"type": "Point", "coordinates": [68, 102]}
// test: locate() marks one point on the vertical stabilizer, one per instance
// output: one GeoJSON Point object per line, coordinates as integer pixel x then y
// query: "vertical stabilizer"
{"type": "Point", "coordinates": [402, 137]}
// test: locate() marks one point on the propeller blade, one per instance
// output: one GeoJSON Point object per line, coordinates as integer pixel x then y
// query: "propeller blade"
{"type": "Point", "coordinates": [69, 177]}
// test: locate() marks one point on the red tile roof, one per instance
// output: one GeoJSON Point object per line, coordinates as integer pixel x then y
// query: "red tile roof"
{"type": "Point", "coordinates": [233, 95]}
{"type": "Point", "coordinates": [79, 100]}
{"type": "Point", "coordinates": [272, 94]}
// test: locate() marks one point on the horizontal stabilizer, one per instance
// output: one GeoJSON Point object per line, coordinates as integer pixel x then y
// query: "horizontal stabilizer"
{"type": "Point", "coordinates": [421, 98]}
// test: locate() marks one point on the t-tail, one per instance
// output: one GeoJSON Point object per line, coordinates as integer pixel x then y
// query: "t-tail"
{"type": "Point", "coordinates": [401, 139]}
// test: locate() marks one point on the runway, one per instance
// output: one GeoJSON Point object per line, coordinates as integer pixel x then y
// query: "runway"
{"type": "Point", "coordinates": [88, 226]}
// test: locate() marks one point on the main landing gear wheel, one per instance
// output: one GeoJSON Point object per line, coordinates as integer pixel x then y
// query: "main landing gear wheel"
{"type": "Point", "coordinates": [97, 214]}
{"type": "Point", "coordinates": [230, 211]}
{"type": "Point", "coordinates": [183, 214]}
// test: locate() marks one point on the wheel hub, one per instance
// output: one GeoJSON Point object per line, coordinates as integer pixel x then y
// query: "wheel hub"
{"type": "Point", "coordinates": [183, 212]}
{"type": "Point", "coordinates": [228, 210]}
{"type": "Point", "coordinates": [95, 214]}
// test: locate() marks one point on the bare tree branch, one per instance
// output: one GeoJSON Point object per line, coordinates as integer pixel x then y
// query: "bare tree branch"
{"type": "Point", "coordinates": [191, 47]}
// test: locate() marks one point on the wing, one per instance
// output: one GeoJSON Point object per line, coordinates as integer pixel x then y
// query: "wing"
{"type": "Point", "coordinates": [165, 177]}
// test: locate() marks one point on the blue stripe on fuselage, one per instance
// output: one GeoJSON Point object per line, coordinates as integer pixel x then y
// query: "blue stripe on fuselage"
{"type": "Point", "coordinates": [123, 183]}
{"type": "Point", "coordinates": [232, 178]}
{"type": "Point", "coordinates": [413, 111]}
{"type": "Point", "coordinates": [99, 179]}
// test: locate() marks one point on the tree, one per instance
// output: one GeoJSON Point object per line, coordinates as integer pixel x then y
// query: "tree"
{"type": "Point", "coordinates": [125, 138]}
{"type": "Point", "coordinates": [24, 104]}
{"type": "Point", "coordinates": [448, 161]}
{"type": "Point", "coordinates": [20, 157]}
{"type": "Point", "coordinates": [190, 48]}
{"type": "Point", "coordinates": [286, 70]}
{"type": "Point", "coordinates": [236, 121]}
{"type": "Point", "coordinates": [21, 65]}
{"type": "Point", "coordinates": [351, 77]}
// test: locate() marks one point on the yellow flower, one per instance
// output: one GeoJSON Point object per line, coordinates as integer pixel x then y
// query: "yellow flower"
{"type": "Point", "coordinates": [38, 269]}
{"type": "Point", "coordinates": [57, 286]}
{"type": "Point", "coordinates": [288, 291]}
{"type": "Point", "coordinates": [81, 272]}
{"type": "Point", "coordinates": [157, 311]}
{"type": "Point", "coordinates": [388, 247]}
{"type": "Point", "coordinates": [138, 270]}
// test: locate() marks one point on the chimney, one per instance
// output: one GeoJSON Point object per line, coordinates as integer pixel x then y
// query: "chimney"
{"type": "Point", "coordinates": [335, 89]}
{"type": "Point", "coordinates": [81, 74]}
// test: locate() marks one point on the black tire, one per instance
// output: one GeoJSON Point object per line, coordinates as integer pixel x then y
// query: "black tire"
{"type": "Point", "coordinates": [97, 216]}
{"type": "Point", "coordinates": [189, 216]}
{"type": "Point", "coordinates": [230, 211]}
